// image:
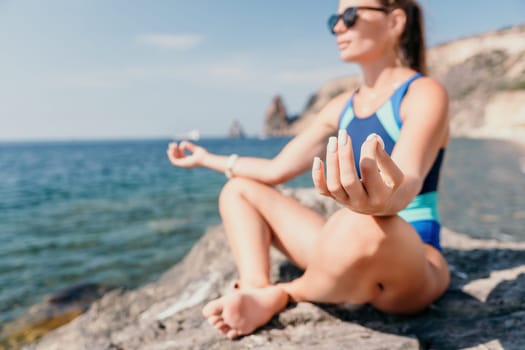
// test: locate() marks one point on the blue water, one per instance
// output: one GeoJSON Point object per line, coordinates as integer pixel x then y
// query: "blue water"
{"type": "Point", "coordinates": [114, 212]}
{"type": "Point", "coordinates": [119, 213]}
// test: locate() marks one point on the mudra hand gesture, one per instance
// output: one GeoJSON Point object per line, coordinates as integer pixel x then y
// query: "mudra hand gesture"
{"type": "Point", "coordinates": [178, 156]}
{"type": "Point", "coordinates": [380, 176]}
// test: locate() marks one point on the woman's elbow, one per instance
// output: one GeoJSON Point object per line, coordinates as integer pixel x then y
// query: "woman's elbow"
{"type": "Point", "coordinates": [414, 184]}
{"type": "Point", "coordinates": [276, 174]}
{"type": "Point", "coordinates": [274, 179]}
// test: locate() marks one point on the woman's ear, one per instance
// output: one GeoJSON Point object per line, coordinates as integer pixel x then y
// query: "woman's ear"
{"type": "Point", "coordinates": [397, 23]}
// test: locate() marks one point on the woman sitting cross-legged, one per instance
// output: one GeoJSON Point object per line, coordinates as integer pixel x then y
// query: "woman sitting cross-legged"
{"type": "Point", "coordinates": [382, 247]}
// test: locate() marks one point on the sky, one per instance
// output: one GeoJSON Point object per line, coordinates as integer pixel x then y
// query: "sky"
{"type": "Point", "coordinates": [115, 69]}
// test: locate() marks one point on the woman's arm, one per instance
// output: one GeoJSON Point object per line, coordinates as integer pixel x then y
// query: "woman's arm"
{"type": "Point", "coordinates": [425, 130]}
{"type": "Point", "coordinates": [388, 184]}
{"type": "Point", "coordinates": [295, 158]}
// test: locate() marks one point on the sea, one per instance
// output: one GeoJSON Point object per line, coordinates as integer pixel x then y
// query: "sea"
{"type": "Point", "coordinates": [118, 213]}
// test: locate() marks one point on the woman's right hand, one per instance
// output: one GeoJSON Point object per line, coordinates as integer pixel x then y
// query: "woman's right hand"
{"type": "Point", "coordinates": [375, 191]}
{"type": "Point", "coordinates": [178, 156]}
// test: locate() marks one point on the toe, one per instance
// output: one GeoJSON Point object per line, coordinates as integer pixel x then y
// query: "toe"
{"type": "Point", "coordinates": [213, 308]}
{"type": "Point", "coordinates": [233, 333]}
{"type": "Point", "coordinates": [214, 319]}
{"type": "Point", "coordinates": [220, 324]}
{"type": "Point", "coordinates": [224, 329]}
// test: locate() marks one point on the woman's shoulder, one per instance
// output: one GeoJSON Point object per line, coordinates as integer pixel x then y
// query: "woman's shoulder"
{"type": "Point", "coordinates": [425, 96]}
{"type": "Point", "coordinates": [425, 92]}
{"type": "Point", "coordinates": [427, 86]}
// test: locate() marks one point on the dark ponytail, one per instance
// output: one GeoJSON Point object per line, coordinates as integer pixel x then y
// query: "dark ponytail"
{"type": "Point", "coordinates": [412, 49]}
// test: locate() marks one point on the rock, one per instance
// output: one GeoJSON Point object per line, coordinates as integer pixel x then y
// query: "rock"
{"type": "Point", "coordinates": [484, 307]}
{"type": "Point", "coordinates": [276, 118]}
{"type": "Point", "coordinates": [509, 104]}
{"type": "Point", "coordinates": [54, 311]}
{"type": "Point", "coordinates": [236, 130]}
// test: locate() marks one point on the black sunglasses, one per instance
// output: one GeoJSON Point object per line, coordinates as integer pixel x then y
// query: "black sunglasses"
{"type": "Point", "coordinates": [349, 16]}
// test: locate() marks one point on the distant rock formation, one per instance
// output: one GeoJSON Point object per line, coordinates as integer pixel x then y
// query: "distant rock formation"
{"type": "Point", "coordinates": [484, 76]}
{"type": "Point", "coordinates": [276, 118]}
{"type": "Point", "coordinates": [236, 130]}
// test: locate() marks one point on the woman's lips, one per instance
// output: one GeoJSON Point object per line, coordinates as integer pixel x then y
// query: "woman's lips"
{"type": "Point", "coordinates": [343, 44]}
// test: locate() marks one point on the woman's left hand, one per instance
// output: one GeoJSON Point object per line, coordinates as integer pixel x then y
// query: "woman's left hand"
{"type": "Point", "coordinates": [380, 176]}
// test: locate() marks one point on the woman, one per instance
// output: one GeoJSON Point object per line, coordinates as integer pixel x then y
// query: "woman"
{"type": "Point", "coordinates": [382, 246]}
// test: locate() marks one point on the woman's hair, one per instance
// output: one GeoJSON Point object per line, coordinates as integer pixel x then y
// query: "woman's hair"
{"type": "Point", "coordinates": [412, 42]}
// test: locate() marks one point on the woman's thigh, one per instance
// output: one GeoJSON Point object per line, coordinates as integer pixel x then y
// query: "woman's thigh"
{"type": "Point", "coordinates": [418, 272]}
{"type": "Point", "coordinates": [383, 261]}
{"type": "Point", "coordinates": [294, 226]}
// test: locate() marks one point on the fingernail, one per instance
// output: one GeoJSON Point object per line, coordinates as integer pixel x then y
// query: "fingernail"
{"type": "Point", "coordinates": [342, 137]}
{"type": "Point", "coordinates": [317, 163]}
{"type": "Point", "coordinates": [378, 138]}
{"type": "Point", "coordinates": [332, 144]}
{"type": "Point", "coordinates": [371, 136]}
{"type": "Point", "coordinates": [381, 142]}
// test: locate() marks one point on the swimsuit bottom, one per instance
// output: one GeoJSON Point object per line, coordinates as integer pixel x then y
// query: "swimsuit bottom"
{"type": "Point", "coordinates": [429, 231]}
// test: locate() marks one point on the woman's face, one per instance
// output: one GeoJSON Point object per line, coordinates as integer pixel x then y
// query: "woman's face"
{"type": "Point", "coordinates": [368, 38]}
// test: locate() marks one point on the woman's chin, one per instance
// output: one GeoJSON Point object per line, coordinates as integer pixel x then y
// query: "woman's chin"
{"type": "Point", "coordinates": [347, 57]}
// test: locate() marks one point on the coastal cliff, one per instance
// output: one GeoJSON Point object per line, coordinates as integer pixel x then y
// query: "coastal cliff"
{"type": "Point", "coordinates": [484, 76]}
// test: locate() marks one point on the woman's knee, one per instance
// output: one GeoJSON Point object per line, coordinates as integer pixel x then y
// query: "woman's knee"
{"type": "Point", "coordinates": [235, 187]}
{"type": "Point", "coordinates": [239, 189]}
{"type": "Point", "coordinates": [350, 241]}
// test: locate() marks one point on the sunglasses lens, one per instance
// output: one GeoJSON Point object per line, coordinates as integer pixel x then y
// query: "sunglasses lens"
{"type": "Point", "coordinates": [332, 22]}
{"type": "Point", "coordinates": [349, 16]}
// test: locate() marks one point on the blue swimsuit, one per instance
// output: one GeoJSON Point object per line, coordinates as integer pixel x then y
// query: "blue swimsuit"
{"type": "Point", "coordinates": [422, 213]}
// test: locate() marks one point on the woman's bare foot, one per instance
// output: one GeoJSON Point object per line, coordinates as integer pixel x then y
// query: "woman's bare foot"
{"type": "Point", "coordinates": [241, 313]}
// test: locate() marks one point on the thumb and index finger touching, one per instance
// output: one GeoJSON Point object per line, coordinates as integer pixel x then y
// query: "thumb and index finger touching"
{"type": "Point", "coordinates": [377, 167]}
{"type": "Point", "coordinates": [177, 152]}
{"type": "Point", "coordinates": [391, 174]}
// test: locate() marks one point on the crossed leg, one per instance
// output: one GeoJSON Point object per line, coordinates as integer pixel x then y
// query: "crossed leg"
{"type": "Point", "coordinates": [349, 258]}
{"type": "Point", "coordinates": [255, 216]}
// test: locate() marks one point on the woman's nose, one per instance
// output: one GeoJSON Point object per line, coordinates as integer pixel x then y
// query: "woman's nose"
{"type": "Point", "coordinates": [339, 26]}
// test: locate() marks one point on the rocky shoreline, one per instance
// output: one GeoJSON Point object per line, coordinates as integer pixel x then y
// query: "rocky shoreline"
{"type": "Point", "coordinates": [484, 307]}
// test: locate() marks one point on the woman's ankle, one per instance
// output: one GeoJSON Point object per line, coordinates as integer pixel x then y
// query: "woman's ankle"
{"type": "Point", "coordinates": [290, 288]}
{"type": "Point", "coordinates": [239, 285]}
